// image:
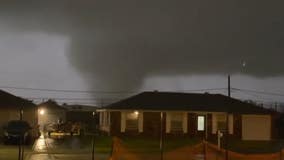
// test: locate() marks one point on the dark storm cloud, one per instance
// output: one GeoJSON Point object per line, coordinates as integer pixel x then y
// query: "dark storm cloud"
{"type": "Point", "coordinates": [120, 43]}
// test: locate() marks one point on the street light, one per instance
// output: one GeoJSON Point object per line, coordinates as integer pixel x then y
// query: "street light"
{"type": "Point", "coordinates": [136, 113]}
{"type": "Point", "coordinates": [42, 112]}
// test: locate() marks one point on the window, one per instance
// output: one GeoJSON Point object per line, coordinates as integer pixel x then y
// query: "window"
{"type": "Point", "coordinates": [132, 121]}
{"type": "Point", "coordinates": [104, 118]}
{"type": "Point", "coordinates": [200, 123]}
{"type": "Point", "coordinates": [176, 122]}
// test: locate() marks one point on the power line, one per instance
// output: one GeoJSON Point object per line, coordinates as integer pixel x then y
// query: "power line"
{"type": "Point", "coordinates": [102, 92]}
{"type": "Point", "coordinates": [255, 96]}
{"type": "Point", "coordinates": [68, 91]}
{"type": "Point", "coordinates": [259, 92]}
{"type": "Point", "coordinates": [83, 99]}
{"type": "Point", "coordinates": [200, 90]}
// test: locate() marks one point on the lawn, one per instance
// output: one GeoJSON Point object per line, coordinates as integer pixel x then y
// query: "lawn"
{"type": "Point", "coordinates": [250, 147]}
{"type": "Point", "coordinates": [82, 144]}
{"type": "Point", "coordinates": [103, 144]}
{"type": "Point", "coordinates": [152, 145]}
{"type": "Point", "coordinates": [10, 152]}
{"type": "Point", "coordinates": [137, 148]}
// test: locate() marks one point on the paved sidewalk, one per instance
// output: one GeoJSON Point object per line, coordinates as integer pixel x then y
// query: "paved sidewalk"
{"type": "Point", "coordinates": [46, 149]}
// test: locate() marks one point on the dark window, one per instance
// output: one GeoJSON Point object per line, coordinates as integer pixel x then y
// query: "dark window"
{"type": "Point", "coordinates": [131, 124]}
{"type": "Point", "coordinates": [176, 126]}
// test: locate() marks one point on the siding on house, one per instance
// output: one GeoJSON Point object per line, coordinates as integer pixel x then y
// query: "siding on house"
{"type": "Point", "coordinates": [182, 112]}
{"type": "Point", "coordinates": [256, 127]}
{"type": "Point", "coordinates": [10, 106]}
{"type": "Point", "coordinates": [10, 113]}
{"type": "Point", "coordinates": [149, 124]}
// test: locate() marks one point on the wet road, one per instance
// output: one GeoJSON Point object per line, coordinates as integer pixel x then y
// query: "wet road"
{"type": "Point", "coordinates": [60, 148]}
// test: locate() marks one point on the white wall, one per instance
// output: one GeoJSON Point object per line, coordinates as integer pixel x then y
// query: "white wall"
{"type": "Point", "coordinates": [256, 127]}
{"type": "Point", "coordinates": [168, 122]}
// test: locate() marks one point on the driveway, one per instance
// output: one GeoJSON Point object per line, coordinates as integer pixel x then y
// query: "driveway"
{"type": "Point", "coordinates": [62, 148]}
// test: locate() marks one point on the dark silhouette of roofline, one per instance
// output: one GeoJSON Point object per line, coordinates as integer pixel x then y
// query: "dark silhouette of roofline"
{"type": "Point", "coordinates": [9, 100]}
{"type": "Point", "coordinates": [176, 101]}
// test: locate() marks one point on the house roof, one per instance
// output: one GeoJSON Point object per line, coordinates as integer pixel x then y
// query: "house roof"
{"type": "Point", "coordinates": [51, 104]}
{"type": "Point", "coordinates": [172, 101]}
{"type": "Point", "coordinates": [81, 108]}
{"type": "Point", "coordinates": [10, 100]}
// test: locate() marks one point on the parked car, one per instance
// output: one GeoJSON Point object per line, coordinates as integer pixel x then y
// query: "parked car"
{"type": "Point", "coordinates": [65, 128]}
{"type": "Point", "coordinates": [17, 130]}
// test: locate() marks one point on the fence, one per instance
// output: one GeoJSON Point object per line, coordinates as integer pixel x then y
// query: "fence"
{"type": "Point", "coordinates": [200, 151]}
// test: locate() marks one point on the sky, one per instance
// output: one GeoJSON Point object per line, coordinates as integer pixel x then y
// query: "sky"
{"type": "Point", "coordinates": [133, 45]}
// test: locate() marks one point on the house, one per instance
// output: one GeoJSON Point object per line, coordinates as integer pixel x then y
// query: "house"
{"type": "Point", "coordinates": [80, 113]}
{"type": "Point", "coordinates": [83, 114]}
{"type": "Point", "coordinates": [11, 106]}
{"type": "Point", "coordinates": [187, 114]}
{"type": "Point", "coordinates": [50, 112]}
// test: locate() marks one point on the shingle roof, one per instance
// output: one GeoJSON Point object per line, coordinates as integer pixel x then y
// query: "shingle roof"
{"type": "Point", "coordinates": [9, 100]}
{"type": "Point", "coordinates": [186, 102]}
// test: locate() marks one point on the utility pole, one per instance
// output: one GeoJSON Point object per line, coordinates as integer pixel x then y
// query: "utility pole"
{"type": "Point", "coordinates": [229, 86]}
{"type": "Point", "coordinates": [21, 151]}
{"type": "Point", "coordinates": [227, 120]}
{"type": "Point", "coordinates": [93, 145]}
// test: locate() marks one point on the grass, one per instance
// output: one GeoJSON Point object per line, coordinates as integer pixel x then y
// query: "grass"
{"type": "Point", "coordinates": [103, 144]}
{"type": "Point", "coordinates": [173, 143]}
{"type": "Point", "coordinates": [251, 147]}
{"type": "Point", "coordinates": [82, 144]}
{"type": "Point", "coordinates": [10, 152]}
{"type": "Point", "coordinates": [152, 145]}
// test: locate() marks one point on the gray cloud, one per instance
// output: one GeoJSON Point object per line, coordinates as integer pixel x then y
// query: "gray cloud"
{"type": "Point", "coordinates": [120, 43]}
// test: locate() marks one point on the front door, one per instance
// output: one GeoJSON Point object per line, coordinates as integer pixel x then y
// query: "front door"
{"type": "Point", "coordinates": [201, 125]}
